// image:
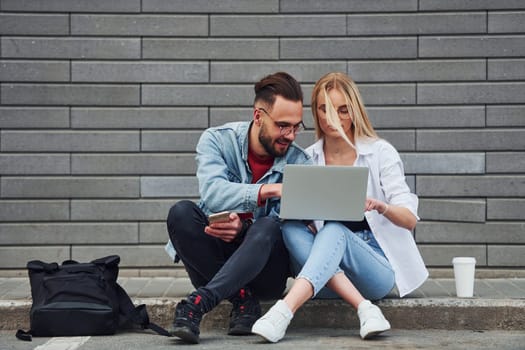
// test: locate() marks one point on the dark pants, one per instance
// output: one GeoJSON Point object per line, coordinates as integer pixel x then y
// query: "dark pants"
{"type": "Point", "coordinates": [219, 269]}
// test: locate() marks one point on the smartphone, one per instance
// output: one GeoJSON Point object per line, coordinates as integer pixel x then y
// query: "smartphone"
{"type": "Point", "coordinates": [218, 217]}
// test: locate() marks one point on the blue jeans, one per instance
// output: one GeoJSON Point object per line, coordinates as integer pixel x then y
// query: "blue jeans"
{"type": "Point", "coordinates": [334, 249]}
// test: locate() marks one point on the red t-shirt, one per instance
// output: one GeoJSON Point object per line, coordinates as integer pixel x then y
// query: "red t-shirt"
{"type": "Point", "coordinates": [259, 167]}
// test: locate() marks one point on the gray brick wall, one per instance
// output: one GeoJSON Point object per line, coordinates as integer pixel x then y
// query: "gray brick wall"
{"type": "Point", "coordinates": [103, 102]}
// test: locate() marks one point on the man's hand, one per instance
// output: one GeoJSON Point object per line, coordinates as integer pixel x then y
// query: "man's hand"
{"type": "Point", "coordinates": [225, 230]}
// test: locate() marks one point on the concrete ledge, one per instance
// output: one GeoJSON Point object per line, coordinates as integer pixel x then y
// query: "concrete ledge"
{"type": "Point", "coordinates": [411, 313]}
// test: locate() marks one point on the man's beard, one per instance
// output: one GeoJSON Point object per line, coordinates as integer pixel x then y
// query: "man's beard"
{"type": "Point", "coordinates": [268, 143]}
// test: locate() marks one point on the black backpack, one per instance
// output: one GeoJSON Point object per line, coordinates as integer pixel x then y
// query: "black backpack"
{"type": "Point", "coordinates": [75, 299]}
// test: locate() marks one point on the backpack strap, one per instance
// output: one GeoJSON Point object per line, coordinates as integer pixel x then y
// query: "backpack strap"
{"type": "Point", "coordinates": [136, 315]}
{"type": "Point", "coordinates": [24, 335]}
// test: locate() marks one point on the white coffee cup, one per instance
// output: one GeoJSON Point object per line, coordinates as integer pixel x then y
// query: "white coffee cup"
{"type": "Point", "coordinates": [464, 270]}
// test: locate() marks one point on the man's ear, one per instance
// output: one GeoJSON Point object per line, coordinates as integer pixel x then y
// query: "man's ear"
{"type": "Point", "coordinates": [257, 116]}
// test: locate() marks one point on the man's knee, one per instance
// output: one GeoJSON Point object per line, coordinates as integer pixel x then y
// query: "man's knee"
{"type": "Point", "coordinates": [180, 211]}
{"type": "Point", "coordinates": [266, 230]}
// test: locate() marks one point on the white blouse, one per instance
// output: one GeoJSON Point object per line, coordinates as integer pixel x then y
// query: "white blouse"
{"type": "Point", "coordinates": [386, 182]}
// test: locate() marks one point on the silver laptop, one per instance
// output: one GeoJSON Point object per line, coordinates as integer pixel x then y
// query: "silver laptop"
{"type": "Point", "coordinates": [313, 192]}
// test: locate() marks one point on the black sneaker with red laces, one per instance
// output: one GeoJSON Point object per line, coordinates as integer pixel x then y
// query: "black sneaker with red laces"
{"type": "Point", "coordinates": [188, 316]}
{"type": "Point", "coordinates": [246, 310]}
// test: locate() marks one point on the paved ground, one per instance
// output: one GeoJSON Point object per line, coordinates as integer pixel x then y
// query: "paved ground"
{"type": "Point", "coordinates": [295, 339]}
{"type": "Point", "coordinates": [17, 288]}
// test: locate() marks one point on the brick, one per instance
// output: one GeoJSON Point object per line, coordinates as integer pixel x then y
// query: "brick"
{"type": "Point", "coordinates": [463, 232]}
{"type": "Point", "coordinates": [280, 25]}
{"type": "Point", "coordinates": [250, 72]}
{"type": "Point", "coordinates": [387, 94]}
{"type": "Point", "coordinates": [71, 5]}
{"type": "Point", "coordinates": [176, 141]}
{"type": "Point", "coordinates": [70, 94]}
{"type": "Point", "coordinates": [153, 232]}
{"type": "Point", "coordinates": [433, 5]}
{"type": "Point", "coordinates": [41, 164]}
{"type": "Point", "coordinates": [130, 256]}
{"type": "Point", "coordinates": [452, 210]}
{"type": "Point", "coordinates": [427, 117]}
{"type": "Point", "coordinates": [402, 140]}
{"type": "Point", "coordinates": [442, 255]}
{"type": "Point", "coordinates": [504, 255]}
{"type": "Point", "coordinates": [305, 139]}
{"type": "Point", "coordinates": [420, 70]}
{"type": "Point", "coordinates": [139, 118]}
{"type": "Point", "coordinates": [69, 187]}
{"type": "Point", "coordinates": [131, 164]}
{"type": "Point", "coordinates": [200, 6]}
{"type": "Point", "coordinates": [212, 49]}
{"type": "Point", "coordinates": [471, 93]}
{"type": "Point", "coordinates": [169, 186]}
{"type": "Point", "coordinates": [505, 162]}
{"type": "Point", "coordinates": [417, 23]}
{"type": "Point", "coordinates": [72, 233]}
{"type": "Point", "coordinates": [505, 115]}
{"type": "Point", "coordinates": [71, 48]}
{"type": "Point", "coordinates": [17, 257]}
{"type": "Point", "coordinates": [120, 210]}
{"type": "Point", "coordinates": [444, 163]}
{"type": "Point", "coordinates": [223, 115]}
{"type": "Point", "coordinates": [471, 140]}
{"type": "Point", "coordinates": [347, 6]}
{"type": "Point", "coordinates": [470, 186]}
{"type": "Point", "coordinates": [506, 22]}
{"type": "Point", "coordinates": [34, 117]}
{"type": "Point", "coordinates": [166, 72]}
{"type": "Point", "coordinates": [506, 209]}
{"type": "Point", "coordinates": [506, 69]}
{"type": "Point", "coordinates": [348, 48]}
{"type": "Point", "coordinates": [33, 24]}
{"type": "Point", "coordinates": [34, 71]}
{"type": "Point", "coordinates": [34, 210]}
{"type": "Point", "coordinates": [197, 95]}
{"type": "Point", "coordinates": [472, 46]}
{"type": "Point", "coordinates": [139, 25]}
{"type": "Point", "coordinates": [70, 141]}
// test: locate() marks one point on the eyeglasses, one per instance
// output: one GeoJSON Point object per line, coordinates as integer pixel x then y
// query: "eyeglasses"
{"type": "Point", "coordinates": [285, 128]}
{"type": "Point", "coordinates": [342, 112]}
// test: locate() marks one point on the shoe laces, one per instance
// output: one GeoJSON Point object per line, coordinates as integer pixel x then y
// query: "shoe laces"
{"type": "Point", "coordinates": [189, 311]}
{"type": "Point", "coordinates": [244, 303]}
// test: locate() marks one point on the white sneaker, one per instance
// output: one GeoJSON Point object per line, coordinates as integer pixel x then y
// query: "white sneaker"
{"type": "Point", "coordinates": [372, 320]}
{"type": "Point", "coordinates": [272, 325]}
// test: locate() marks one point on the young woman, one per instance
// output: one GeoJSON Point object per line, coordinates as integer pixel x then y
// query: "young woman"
{"type": "Point", "coordinates": [359, 261]}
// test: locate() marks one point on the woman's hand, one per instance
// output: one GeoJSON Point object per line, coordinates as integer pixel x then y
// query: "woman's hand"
{"type": "Point", "coordinates": [375, 204]}
{"type": "Point", "coordinates": [225, 230]}
{"type": "Point", "coordinates": [399, 216]}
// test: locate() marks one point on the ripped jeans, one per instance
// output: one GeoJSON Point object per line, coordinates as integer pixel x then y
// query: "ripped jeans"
{"type": "Point", "coordinates": [318, 257]}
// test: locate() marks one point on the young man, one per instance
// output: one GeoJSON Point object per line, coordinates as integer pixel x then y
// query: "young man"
{"type": "Point", "coordinates": [239, 168]}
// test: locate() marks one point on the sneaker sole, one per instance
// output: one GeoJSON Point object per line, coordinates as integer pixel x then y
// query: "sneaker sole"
{"type": "Point", "coordinates": [260, 333]}
{"type": "Point", "coordinates": [374, 333]}
{"type": "Point", "coordinates": [185, 334]}
{"type": "Point", "coordinates": [240, 330]}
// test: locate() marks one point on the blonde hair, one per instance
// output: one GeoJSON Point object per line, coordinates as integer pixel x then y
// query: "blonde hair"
{"type": "Point", "coordinates": [361, 126]}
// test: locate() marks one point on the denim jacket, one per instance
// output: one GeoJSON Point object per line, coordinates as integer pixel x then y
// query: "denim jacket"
{"type": "Point", "coordinates": [225, 176]}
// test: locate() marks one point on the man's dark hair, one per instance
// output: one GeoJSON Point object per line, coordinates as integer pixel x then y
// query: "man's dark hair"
{"type": "Point", "coordinates": [278, 84]}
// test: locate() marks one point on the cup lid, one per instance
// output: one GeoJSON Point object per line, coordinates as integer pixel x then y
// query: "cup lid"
{"type": "Point", "coordinates": [464, 260]}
